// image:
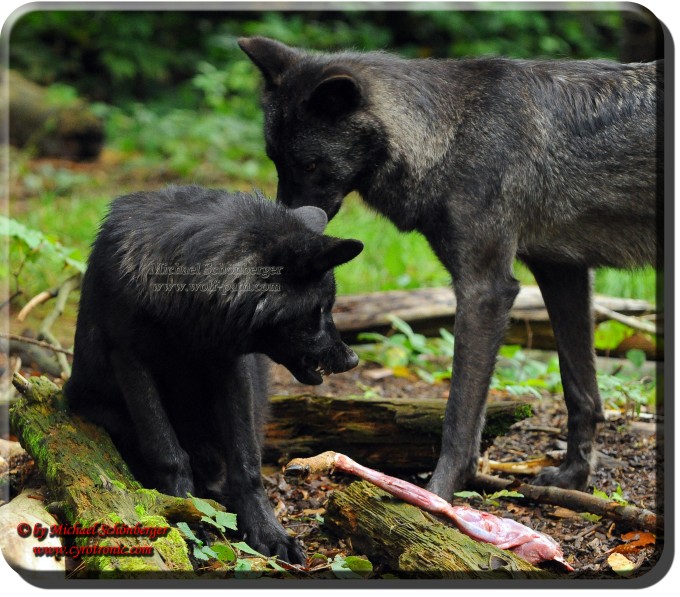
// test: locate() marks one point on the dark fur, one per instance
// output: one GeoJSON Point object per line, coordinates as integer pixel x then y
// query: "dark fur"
{"type": "Point", "coordinates": [177, 377]}
{"type": "Point", "coordinates": [555, 162]}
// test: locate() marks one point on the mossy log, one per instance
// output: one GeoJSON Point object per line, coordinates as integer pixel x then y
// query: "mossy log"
{"type": "Point", "coordinates": [393, 435]}
{"type": "Point", "coordinates": [92, 485]}
{"type": "Point", "coordinates": [60, 129]}
{"type": "Point", "coordinates": [412, 543]}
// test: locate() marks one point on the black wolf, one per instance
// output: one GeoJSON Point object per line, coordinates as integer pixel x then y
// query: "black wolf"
{"type": "Point", "coordinates": [185, 290]}
{"type": "Point", "coordinates": [557, 163]}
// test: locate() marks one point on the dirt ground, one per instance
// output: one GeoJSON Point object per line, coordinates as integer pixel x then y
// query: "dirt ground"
{"type": "Point", "coordinates": [628, 452]}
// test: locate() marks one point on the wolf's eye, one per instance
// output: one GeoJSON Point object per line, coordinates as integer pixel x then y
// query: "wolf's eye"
{"type": "Point", "coordinates": [310, 167]}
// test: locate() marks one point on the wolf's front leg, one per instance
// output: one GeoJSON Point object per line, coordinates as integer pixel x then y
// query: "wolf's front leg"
{"type": "Point", "coordinates": [246, 496]}
{"type": "Point", "coordinates": [485, 291]}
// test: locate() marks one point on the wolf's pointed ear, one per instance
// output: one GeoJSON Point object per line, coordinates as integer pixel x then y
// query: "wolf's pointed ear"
{"type": "Point", "coordinates": [272, 57]}
{"type": "Point", "coordinates": [337, 94]}
{"type": "Point", "coordinates": [336, 251]}
{"type": "Point", "coordinates": [314, 257]}
{"type": "Point", "coordinates": [314, 218]}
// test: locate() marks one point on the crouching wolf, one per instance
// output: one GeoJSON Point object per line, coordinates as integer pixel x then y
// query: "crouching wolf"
{"type": "Point", "coordinates": [185, 290]}
{"type": "Point", "coordinates": [557, 163]}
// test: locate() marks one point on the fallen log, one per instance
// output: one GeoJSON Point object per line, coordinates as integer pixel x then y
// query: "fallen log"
{"type": "Point", "coordinates": [93, 488]}
{"type": "Point", "coordinates": [398, 435]}
{"type": "Point", "coordinates": [427, 310]}
{"type": "Point", "coordinates": [64, 129]}
{"type": "Point", "coordinates": [638, 518]}
{"type": "Point", "coordinates": [415, 544]}
{"type": "Point", "coordinates": [504, 533]}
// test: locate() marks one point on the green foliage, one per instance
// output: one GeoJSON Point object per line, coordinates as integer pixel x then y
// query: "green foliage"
{"type": "Point", "coordinates": [201, 114]}
{"type": "Point", "coordinates": [609, 334]}
{"type": "Point", "coordinates": [628, 393]}
{"type": "Point", "coordinates": [230, 556]}
{"type": "Point", "coordinates": [29, 246]}
{"type": "Point", "coordinates": [246, 562]}
{"type": "Point", "coordinates": [516, 373]}
{"type": "Point", "coordinates": [488, 499]}
{"type": "Point", "coordinates": [354, 567]}
{"type": "Point", "coordinates": [191, 144]}
{"type": "Point", "coordinates": [429, 358]}
{"type": "Point", "coordinates": [519, 375]}
{"type": "Point", "coordinates": [615, 496]}
{"type": "Point", "coordinates": [106, 54]}
{"type": "Point", "coordinates": [184, 100]}
{"type": "Point", "coordinates": [116, 55]}
{"type": "Point", "coordinates": [521, 34]}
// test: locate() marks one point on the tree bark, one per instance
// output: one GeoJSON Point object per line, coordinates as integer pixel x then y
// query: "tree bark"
{"type": "Point", "coordinates": [92, 485]}
{"type": "Point", "coordinates": [394, 435]}
{"type": "Point", "coordinates": [413, 543]}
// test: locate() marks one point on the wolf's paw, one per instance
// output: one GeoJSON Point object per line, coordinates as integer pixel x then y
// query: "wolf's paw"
{"type": "Point", "coordinates": [564, 476]}
{"type": "Point", "coordinates": [270, 539]}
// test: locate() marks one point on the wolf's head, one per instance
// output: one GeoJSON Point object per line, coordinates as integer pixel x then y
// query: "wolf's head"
{"type": "Point", "coordinates": [294, 323]}
{"type": "Point", "coordinates": [318, 131]}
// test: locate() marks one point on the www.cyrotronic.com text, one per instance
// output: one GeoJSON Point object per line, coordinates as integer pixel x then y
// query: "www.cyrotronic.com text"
{"type": "Point", "coordinates": [41, 532]}
{"type": "Point", "coordinates": [76, 551]}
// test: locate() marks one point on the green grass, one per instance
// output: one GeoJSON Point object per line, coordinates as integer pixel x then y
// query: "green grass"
{"type": "Point", "coordinates": [636, 284]}
{"type": "Point", "coordinates": [390, 259]}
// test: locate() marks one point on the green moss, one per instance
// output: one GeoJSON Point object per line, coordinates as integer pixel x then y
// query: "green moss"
{"type": "Point", "coordinates": [153, 520]}
{"type": "Point", "coordinates": [43, 389]}
{"type": "Point", "coordinates": [173, 549]}
{"type": "Point", "coordinates": [502, 423]}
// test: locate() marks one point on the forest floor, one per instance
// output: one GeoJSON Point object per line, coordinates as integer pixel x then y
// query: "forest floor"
{"type": "Point", "coordinates": [630, 469]}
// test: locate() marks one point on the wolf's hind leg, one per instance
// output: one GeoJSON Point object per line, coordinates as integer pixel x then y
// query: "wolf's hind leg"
{"type": "Point", "coordinates": [567, 295]}
{"type": "Point", "coordinates": [165, 460]}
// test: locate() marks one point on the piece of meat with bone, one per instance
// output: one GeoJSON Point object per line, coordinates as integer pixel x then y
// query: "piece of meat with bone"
{"type": "Point", "coordinates": [504, 533]}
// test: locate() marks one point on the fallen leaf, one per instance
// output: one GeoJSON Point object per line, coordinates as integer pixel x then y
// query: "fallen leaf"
{"type": "Point", "coordinates": [526, 467]}
{"type": "Point", "coordinates": [636, 541]}
{"type": "Point", "coordinates": [560, 512]}
{"type": "Point", "coordinates": [401, 371]}
{"type": "Point", "coordinates": [620, 564]}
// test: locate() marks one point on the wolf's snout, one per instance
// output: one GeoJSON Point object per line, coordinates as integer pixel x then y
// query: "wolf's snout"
{"type": "Point", "coordinates": [349, 361]}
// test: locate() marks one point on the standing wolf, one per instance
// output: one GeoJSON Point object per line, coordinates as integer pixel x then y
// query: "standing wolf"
{"type": "Point", "coordinates": [183, 288]}
{"type": "Point", "coordinates": [557, 162]}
